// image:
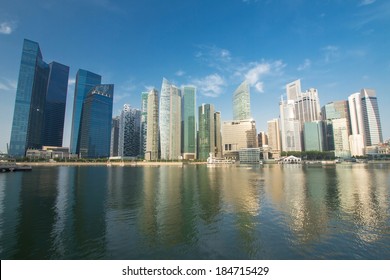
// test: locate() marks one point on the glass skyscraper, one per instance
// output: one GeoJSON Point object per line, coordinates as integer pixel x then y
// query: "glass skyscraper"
{"type": "Point", "coordinates": [129, 132]}
{"type": "Point", "coordinates": [313, 136]}
{"type": "Point", "coordinates": [144, 121]}
{"type": "Point", "coordinates": [170, 121]}
{"type": "Point", "coordinates": [38, 85]}
{"type": "Point", "coordinates": [206, 131]}
{"type": "Point", "coordinates": [55, 104]}
{"type": "Point", "coordinates": [371, 119]}
{"type": "Point", "coordinates": [241, 102]}
{"type": "Point", "coordinates": [114, 137]}
{"type": "Point", "coordinates": [85, 81]}
{"type": "Point", "coordinates": [96, 121]}
{"type": "Point", "coordinates": [189, 123]}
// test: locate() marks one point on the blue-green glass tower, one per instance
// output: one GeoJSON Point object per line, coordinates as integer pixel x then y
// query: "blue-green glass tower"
{"type": "Point", "coordinates": [54, 115]}
{"type": "Point", "coordinates": [188, 122]}
{"type": "Point", "coordinates": [38, 85]}
{"type": "Point", "coordinates": [95, 130]}
{"type": "Point", "coordinates": [85, 81]}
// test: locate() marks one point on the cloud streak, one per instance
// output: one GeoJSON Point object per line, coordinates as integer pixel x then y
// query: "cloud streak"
{"type": "Point", "coordinates": [366, 2]}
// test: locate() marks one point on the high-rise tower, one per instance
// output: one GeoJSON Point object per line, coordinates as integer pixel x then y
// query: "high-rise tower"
{"type": "Point", "coordinates": [188, 121]}
{"type": "Point", "coordinates": [241, 102]}
{"type": "Point", "coordinates": [371, 119]}
{"type": "Point", "coordinates": [96, 121]}
{"type": "Point", "coordinates": [40, 102]}
{"type": "Point", "coordinates": [206, 131]}
{"type": "Point", "coordinates": [129, 132]}
{"type": "Point", "coordinates": [152, 131]}
{"type": "Point", "coordinates": [85, 81]}
{"type": "Point", "coordinates": [144, 120]}
{"type": "Point", "coordinates": [170, 121]}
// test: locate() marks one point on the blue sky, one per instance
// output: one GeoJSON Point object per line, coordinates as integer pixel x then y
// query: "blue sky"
{"type": "Point", "coordinates": [336, 46]}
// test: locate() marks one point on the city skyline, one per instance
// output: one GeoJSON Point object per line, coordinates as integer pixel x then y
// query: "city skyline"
{"type": "Point", "coordinates": [211, 51]}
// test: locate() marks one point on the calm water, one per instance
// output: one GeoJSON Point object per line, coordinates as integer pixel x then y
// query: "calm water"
{"type": "Point", "coordinates": [195, 212]}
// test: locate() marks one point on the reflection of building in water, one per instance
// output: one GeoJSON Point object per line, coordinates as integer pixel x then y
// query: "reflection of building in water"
{"type": "Point", "coordinates": [10, 203]}
{"type": "Point", "coordinates": [301, 195]}
{"type": "Point", "coordinates": [363, 196]}
{"type": "Point", "coordinates": [33, 242]}
{"type": "Point", "coordinates": [148, 211]}
{"type": "Point", "coordinates": [63, 211]}
{"type": "Point", "coordinates": [241, 196]}
{"type": "Point", "coordinates": [169, 212]}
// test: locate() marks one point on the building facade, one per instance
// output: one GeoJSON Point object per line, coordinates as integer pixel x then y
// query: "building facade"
{"type": "Point", "coordinates": [237, 135]}
{"type": "Point", "coordinates": [130, 132]}
{"type": "Point", "coordinates": [170, 121]}
{"type": "Point", "coordinates": [144, 122]}
{"type": "Point", "coordinates": [290, 127]}
{"type": "Point", "coordinates": [114, 143]}
{"type": "Point", "coordinates": [206, 131]}
{"type": "Point", "coordinates": [241, 102]}
{"type": "Point", "coordinates": [95, 132]}
{"type": "Point", "coordinates": [218, 135]}
{"type": "Point", "coordinates": [85, 82]}
{"type": "Point", "coordinates": [35, 113]}
{"type": "Point", "coordinates": [189, 122]}
{"type": "Point", "coordinates": [371, 118]}
{"type": "Point", "coordinates": [274, 137]}
{"type": "Point", "coordinates": [152, 132]}
{"type": "Point", "coordinates": [356, 139]}
{"type": "Point", "coordinates": [313, 135]}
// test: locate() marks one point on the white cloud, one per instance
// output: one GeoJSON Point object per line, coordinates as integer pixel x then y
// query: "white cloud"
{"type": "Point", "coordinates": [180, 73]}
{"type": "Point", "coordinates": [7, 27]}
{"type": "Point", "coordinates": [305, 65]}
{"type": "Point", "coordinates": [366, 2]}
{"type": "Point", "coordinates": [211, 85]}
{"type": "Point", "coordinates": [255, 72]}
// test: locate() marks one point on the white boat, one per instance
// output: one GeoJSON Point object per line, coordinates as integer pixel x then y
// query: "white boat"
{"type": "Point", "coordinates": [211, 160]}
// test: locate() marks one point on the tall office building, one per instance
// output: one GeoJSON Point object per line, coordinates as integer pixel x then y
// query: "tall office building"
{"type": "Point", "coordinates": [40, 102]}
{"type": "Point", "coordinates": [241, 102]}
{"type": "Point", "coordinates": [188, 122]}
{"type": "Point", "coordinates": [170, 121]}
{"type": "Point", "coordinates": [371, 119]}
{"type": "Point", "coordinates": [54, 114]}
{"type": "Point", "coordinates": [85, 81]}
{"type": "Point", "coordinates": [152, 131]}
{"type": "Point", "coordinates": [218, 134]}
{"type": "Point", "coordinates": [334, 111]}
{"type": "Point", "coordinates": [206, 131]}
{"type": "Point", "coordinates": [274, 137]}
{"type": "Point", "coordinates": [144, 120]}
{"type": "Point", "coordinates": [356, 139]}
{"type": "Point", "coordinates": [307, 104]}
{"type": "Point", "coordinates": [262, 139]}
{"type": "Point", "coordinates": [114, 144]}
{"type": "Point", "coordinates": [129, 132]}
{"type": "Point", "coordinates": [238, 135]}
{"type": "Point", "coordinates": [313, 135]}
{"type": "Point", "coordinates": [290, 127]}
{"type": "Point", "coordinates": [96, 121]}
{"type": "Point", "coordinates": [340, 136]}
